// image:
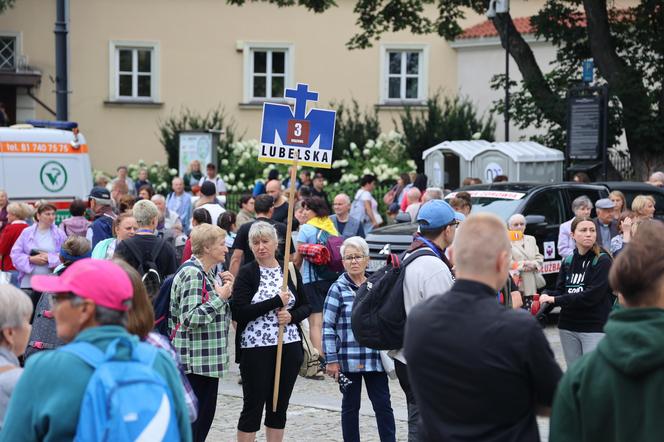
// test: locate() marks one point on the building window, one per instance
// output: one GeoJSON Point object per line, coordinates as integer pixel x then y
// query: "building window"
{"type": "Point", "coordinates": [8, 52]}
{"type": "Point", "coordinates": [134, 71]}
{"type": "Point", "coordinates": [268, 71]}
{"type": "Point", "coordinates": [403, 77]}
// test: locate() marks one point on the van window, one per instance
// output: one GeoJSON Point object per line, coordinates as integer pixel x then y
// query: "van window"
{"type": "Point", "coordinates": [547, 204]}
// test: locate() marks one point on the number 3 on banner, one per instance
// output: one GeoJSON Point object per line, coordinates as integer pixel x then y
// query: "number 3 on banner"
{"type": "Point", "coordinates": [298, 133]}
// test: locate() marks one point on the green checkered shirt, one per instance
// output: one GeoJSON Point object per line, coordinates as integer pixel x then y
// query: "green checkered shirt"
{"type": "Point", "coordinates": [202, 338]}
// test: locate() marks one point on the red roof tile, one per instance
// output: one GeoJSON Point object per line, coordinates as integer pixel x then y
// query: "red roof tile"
{"type": "Point", "coordinates": [486, 28]}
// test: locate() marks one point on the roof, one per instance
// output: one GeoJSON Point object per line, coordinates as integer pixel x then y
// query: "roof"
{"type": "Point", "coordinates": [526, 151]}
{"type": "Point", "coordinates": [465, 149]}
{"type": "Point", "coordinates": [487, 29]}
{"type": "Point", "coordinates": [518, 151]}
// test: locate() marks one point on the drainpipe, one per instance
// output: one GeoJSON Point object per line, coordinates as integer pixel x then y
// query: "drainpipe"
{"type": "Point", "coordinates": [61, 60]}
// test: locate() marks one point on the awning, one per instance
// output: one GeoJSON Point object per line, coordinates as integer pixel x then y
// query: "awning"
{"type": "Point", "coordinates": [23, 78]}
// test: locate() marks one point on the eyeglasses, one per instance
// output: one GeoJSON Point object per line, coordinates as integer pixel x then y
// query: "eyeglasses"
{"type": "Point", "coordinates": [354, 258]}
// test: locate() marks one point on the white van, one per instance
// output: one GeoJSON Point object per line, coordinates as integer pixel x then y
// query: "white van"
{"type": "Point", "coordinates": [45, 160]}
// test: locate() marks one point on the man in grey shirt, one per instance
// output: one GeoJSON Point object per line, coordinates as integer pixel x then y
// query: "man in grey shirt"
{"type": "Point", "coordinates": [428, 276]}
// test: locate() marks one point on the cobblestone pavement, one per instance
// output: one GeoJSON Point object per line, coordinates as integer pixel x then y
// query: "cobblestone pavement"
{"type": "Point", "coordinates": [314, 413]}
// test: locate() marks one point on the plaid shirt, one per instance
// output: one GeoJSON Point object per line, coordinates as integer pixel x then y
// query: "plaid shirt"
{"type": "Point", "coordinates": [202, 338]}
{"type": "Point", "coordinates": [339, 343]}
{"type": "Point", "coordinates": [162, 342]}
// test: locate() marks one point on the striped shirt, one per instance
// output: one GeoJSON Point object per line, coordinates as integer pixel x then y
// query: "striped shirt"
{"type": "Point", "coordinates": [339, 343]}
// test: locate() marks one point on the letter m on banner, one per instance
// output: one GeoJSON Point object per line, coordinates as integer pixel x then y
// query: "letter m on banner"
{"type": "Point", "coordinates": [287, 134]}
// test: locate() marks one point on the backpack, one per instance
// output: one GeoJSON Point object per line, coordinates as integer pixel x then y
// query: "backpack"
{"type": "Point", "coordinates": [162, 304]}
{"type": "Point", "coordinates": [147, 265]}
{"type": "Point", "coordinates": [330, 270]}
{"type": "Point", "coordinates": [125, 400]}
{"type": "Point", "coordinates": [378, 317]}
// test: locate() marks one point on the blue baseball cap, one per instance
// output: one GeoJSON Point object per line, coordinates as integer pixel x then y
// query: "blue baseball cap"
{"type": "Point", "coordinates": [436, 214]}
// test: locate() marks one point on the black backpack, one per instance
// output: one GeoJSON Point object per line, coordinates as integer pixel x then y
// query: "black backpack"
{"type": "Point", "coordinates": [378, 318]}
{"type": "Point", "coordinates": [147, 265]}
{"type": "Point", "coordinates": [162, 303]}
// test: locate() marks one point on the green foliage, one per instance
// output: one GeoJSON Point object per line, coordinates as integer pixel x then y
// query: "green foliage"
{"type": "Point", "coordinates": [444, 119]}
{"type": "Point", "coordinates": [385, 157]}
{"type": "Point", "coordinates": [6, 4]}
{"type": "Point", "coordinates": [191, 120]}
{"type": "Point", "coordinates": [352, 125]}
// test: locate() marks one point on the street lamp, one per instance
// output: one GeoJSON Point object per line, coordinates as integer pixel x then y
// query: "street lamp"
{"type": "Point", "coordinates": [503, 7]}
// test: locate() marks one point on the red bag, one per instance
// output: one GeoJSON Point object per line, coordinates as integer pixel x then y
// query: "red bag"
{"type": "Point", "coordinates": [317, 254]}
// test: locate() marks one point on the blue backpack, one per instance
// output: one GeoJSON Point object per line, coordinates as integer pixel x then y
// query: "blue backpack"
{"type": "Point", "coordinates": [125, 400]}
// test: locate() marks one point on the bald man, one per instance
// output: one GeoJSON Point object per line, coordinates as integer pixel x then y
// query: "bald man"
{"type": "Point", "coordinates": [346, 225]}
{"type": "Point", "coordinates": [479, 371]}
{"type": "Point", "coordinates": [280, 209]}
{"type": "Point", "coordinates": [413, 196]}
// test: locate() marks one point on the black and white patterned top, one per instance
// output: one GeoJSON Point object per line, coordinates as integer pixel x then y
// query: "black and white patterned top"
{"type": "Point", "coordinates": [264, 330]}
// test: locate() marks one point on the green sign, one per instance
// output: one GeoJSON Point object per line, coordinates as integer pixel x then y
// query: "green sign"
{"type": "Point", "coordinates": [53, 176]}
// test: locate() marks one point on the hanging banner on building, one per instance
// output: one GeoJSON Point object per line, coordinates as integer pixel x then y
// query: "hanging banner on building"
{"type": "Point", "coordinates": [287, 135]}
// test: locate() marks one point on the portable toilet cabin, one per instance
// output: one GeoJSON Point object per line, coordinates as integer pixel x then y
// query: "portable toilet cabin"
{"type": "Point", "coordinates": [448, 163]}
{"type": "Point", "coordinates": [519, 161]}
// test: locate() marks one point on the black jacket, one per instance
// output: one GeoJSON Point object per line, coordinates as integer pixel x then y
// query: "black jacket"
{"type": "Point", "coordinates": [582, 291]}
{"type": "Point", "coordinates": [243, 311]}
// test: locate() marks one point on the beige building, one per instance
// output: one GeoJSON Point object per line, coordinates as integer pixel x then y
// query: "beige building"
{"type": "Point", "coordinates": [135, 62]}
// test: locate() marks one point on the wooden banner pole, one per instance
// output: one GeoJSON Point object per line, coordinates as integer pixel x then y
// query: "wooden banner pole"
{"type": "Point", "coordinates": [284, 286]}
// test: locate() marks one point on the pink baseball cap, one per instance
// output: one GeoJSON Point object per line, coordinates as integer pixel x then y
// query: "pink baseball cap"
{"type": "Point", "coordinates": [103, 282]}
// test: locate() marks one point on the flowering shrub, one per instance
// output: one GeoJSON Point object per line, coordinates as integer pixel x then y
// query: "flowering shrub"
{"type": "Point", "coordinates": [160, 175]}
{"type": "Point", "coordinates": [385, 157]}
{"type": "Point", "coordinates": [239, 166]}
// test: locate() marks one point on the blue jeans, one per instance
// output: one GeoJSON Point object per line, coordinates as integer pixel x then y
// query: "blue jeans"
{"type": "Point", "coordinates": [379, 394]}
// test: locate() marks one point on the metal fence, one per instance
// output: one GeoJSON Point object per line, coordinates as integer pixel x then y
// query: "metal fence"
{"type": "Point", "coordinates": [622, 161]}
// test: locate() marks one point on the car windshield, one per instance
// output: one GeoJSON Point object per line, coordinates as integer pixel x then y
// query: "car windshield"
{"type": "Point", "coordinates": [500, 203]}
{"type": "Point", "coordinates": [500, 207]}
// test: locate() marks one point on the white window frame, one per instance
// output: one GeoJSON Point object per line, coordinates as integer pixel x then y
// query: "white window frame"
{"type": "Point", "coordinates": [114, 75]}
{"type": "Point", "coordinates": [423, 75]}
{"type": "Point", "coordinates": [248, 49]}
{"type": "Point", "coordinates": [18, 49]}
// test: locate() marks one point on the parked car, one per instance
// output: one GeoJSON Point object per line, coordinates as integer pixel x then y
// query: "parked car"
{"type": "Point", "coordinates": [545, 207]}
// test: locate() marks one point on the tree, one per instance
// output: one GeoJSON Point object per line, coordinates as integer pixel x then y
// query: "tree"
{"type": "Point", "coordinates": [626, 44]}
{"type": "Point", "coordinates": [6, 4]}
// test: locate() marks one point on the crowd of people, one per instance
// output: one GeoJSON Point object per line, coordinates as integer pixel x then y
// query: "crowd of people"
{"type": "Point", "coordinates": [168, 280]}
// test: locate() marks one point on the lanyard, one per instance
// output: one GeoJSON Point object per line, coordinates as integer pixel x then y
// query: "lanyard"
{"type": "Point", "coordinates": [145, 231]}
{"type": "Point", "coordinates": [431, 245]}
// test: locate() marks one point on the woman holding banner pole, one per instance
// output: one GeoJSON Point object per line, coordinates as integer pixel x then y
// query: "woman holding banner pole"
{"type": "Point", "coordinates": [257, 304]}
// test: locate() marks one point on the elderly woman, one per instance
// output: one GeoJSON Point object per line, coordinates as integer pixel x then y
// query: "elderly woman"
{"type": "Point", "coordinates": [199, 320]}
{"type": "Point", "coordinates": [260, 307]}
{"type": "Point", "coordinates": [581, 206]}
{"type": "Point", "coordinates": [527, 257]}
{"type": "Point", "coordinates": [15, 313]}
{"type": "Point", "coordinates": [344, 354]}
{"type": "Point", "coordinates": [247, 213]}
{"type": "Point", "coordinates": [582, 292]}
{"type": "Point", "coordinates": [643, 207]}
{"type": "Point", "coordinates": [17, 213]}
{"type": "Point", "coordinates": [317, 279]}
{"type": "Point", "coordinates": [43, 336]}
{"type": "Point", "coordinates": [124, 226]}
{"type": "Point", "coordinates": [37, 249]}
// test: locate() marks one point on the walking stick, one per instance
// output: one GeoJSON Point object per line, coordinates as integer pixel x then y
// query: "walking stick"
{"type": "Point", "coordinates": [284, 286]}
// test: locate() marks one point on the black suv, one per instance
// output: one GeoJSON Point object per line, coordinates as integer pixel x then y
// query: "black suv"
{"type": "Point", "coordinates": [545, 207]}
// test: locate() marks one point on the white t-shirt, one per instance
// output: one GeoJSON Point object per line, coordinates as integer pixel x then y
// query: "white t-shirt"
{"type": "Point", "coordinates": [215, 211]}
{"type": "Point", "coordinates": [218, 182]}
